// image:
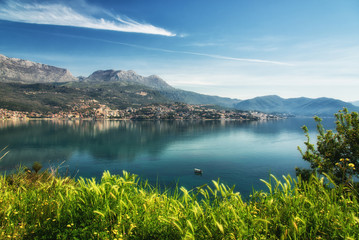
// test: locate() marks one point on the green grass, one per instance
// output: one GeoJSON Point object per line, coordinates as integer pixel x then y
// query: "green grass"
{"type": "Point", "coordinates": [45, 206]}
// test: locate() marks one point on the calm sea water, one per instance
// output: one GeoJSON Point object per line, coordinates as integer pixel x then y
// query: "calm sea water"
{"type": "Point", "coordinates": [163, 152]}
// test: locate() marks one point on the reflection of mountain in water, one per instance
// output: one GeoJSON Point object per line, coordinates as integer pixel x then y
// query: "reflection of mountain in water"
{"type": "Point", "coordinates": [56, 141]}
{"type": "Point", "coordinates": [288, 125]}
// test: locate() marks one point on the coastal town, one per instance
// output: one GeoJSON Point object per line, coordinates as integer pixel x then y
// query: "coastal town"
{"type": "Point", "coordinates": [176, 111]}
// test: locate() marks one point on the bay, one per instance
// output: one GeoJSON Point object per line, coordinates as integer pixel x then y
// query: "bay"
{"type": "Point", "coordinates": [163, 152]}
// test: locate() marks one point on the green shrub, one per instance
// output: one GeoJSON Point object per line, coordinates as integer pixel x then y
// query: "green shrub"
{"type": "Point", "coordinates": [336, 153]}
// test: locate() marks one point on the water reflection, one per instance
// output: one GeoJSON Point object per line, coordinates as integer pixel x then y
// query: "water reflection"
{"type": "Point", "coordinates": [57, 140]}
{"type": "Point", "coordinates": [237, 152]}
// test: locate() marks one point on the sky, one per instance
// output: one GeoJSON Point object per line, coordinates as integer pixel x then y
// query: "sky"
{"type": "Point", "coordinates": [234, 48]}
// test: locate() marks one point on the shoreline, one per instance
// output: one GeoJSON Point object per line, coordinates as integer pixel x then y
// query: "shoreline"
{"type": "Point", "coordinates": [130, 119]}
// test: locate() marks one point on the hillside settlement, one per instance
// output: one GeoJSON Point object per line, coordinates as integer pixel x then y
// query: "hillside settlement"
{"type": "Point", "coordinates": [178, 111]}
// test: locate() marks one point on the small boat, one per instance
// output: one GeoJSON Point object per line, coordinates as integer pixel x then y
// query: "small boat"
{"type": "Point", "coordinates": [198, 171]}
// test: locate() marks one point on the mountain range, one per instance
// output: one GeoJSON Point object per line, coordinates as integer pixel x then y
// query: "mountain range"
{"type": "Point", "coordinates": [295, 106]}
{"type": "Point", "coordinates": [29, 86]}
{"type": "Point", "coordinates": [355, 103]}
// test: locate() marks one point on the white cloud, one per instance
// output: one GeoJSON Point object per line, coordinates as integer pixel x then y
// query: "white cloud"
{"type": "Point", "coordinates": [61, 15]}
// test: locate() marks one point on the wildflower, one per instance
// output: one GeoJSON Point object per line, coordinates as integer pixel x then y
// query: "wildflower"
{"type": "Point", "coordinates": [68, 225]}
{"type": "Point", "coordinates": [351, 165]}
{"type": "Point", "coordinates": [337, 164]}
{"type": "Point", "coordinates": [342, 160]}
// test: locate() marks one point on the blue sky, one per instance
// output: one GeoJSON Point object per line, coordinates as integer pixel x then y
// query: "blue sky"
{"type": "Point", "coordinates": [233, 48]}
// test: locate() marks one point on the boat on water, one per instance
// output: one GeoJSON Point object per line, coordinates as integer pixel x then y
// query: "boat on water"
{"type": "Point", "coordinates": [198, 171]}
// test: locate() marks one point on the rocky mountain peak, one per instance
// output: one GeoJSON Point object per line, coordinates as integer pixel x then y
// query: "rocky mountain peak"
{"type": "Point", "coordinates": [24, 71]}
{"type": "Point", "coordinates": [127, 77]}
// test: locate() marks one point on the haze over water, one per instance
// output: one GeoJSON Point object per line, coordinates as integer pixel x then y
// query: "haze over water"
{"type": "Point", "coordinates": [238, 153]}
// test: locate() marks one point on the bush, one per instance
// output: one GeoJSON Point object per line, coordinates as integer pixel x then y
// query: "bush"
{"type": "Point", "coordinates": [336, 153]}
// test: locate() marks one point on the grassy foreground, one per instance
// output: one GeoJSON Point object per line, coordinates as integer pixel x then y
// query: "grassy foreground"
{"type": "Point", "coordinates": [41, 206]}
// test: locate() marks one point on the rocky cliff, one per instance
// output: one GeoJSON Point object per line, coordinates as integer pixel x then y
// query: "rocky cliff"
{"type": "Point", "coordinates": [23, 71]}
{"type": "Point", "coordinates": [127, 77]}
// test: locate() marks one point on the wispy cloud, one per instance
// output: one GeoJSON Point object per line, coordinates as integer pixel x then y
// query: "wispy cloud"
{"type": "Point", "coordinates": [62, 15]}
{"type": "Point", "coordinates": [250, 60]}
{"type": "Point", "coordinates": [204, 44]}
{"type": "Point", "coordinates": [253, 60]}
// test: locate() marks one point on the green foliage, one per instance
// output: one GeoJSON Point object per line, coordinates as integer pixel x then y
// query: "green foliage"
{"type": "Point", "coordinates": [42, 206]}
{"type": "Point", "coordinates": [336, 153]}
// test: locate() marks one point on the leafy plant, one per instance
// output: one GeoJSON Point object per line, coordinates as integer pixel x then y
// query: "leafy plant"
{"type": "Point", "coordinates": [123, 207]}
{"type": "Point", "coordinates": [336, 153]}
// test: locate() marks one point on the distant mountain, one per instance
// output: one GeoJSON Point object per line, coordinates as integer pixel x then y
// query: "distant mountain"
{"type": "Point", "coordinates": [54, 97]}
{"type": "Point", "coordinates": [23, 71]}
{"type": "Point", "coordinates": [127, 77]}
{"type": "Point", "coordinates": [355, 103]}
{"type": "Point", "coordinates": [30, 86]}
{"type": "Point", "coordinates": [295, 106]}
{"type": "Point", "coordinates": [178, 95]}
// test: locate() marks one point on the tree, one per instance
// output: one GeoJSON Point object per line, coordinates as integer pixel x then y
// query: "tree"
{"type": "Point", "coordinates": [336, 153]}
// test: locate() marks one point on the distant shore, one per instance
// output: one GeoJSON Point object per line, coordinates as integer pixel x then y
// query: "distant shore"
{"type": "Point", "coordinates": [176, 111]}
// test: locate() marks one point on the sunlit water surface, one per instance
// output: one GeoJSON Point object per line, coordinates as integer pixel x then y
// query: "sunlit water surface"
{"type": "Point", "coordinates": [163, 152]}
